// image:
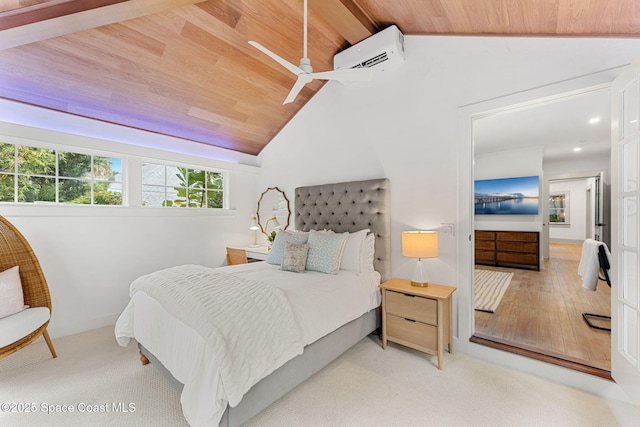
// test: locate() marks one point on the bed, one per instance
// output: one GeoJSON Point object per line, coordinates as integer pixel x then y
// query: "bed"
{"type": "Point", "coordinates": [178, 350]}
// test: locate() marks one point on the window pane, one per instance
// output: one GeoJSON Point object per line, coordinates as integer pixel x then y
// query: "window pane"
{"type": "Point", "coordinates": [36, 161]}
{"type": "Point", "coordinates": [6, 188]}
{"type": "Point", "coordinates": [36, 189]}
{"type": "Point", "coordinates": [196, 197]}
{"type": "Point", "coordinates": [176, 177]}
{"type": "Point", "coordinates": [74, 165]}
{"type": "Point", "coordinates": [107, 168]}
{"type": "Point", "coordinates": [630, 99]}
{"type": "Point", "coordinates": [214, 181]}
{"type": "Point", "coordinates": [74, 191]}
{"type": "Point", "coordinates": [629, 166]}
{"type": "Point", "coordinates": [214, 199]}
{"type": "Point", "coordinates": [158, 196]}
{"type": "Point", "coordinates": [629, 221]}
{"type": "Point", "coordinates": [153, 174]}
{"type": "Point", "coordinates": [111, 194]}
{"type": "Point", "coordinates": [7, 157]}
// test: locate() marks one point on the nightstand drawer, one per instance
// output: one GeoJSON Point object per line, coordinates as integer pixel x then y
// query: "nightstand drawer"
{"type": "Point", "coordinates": [413, 332]}
{"type": "Point", "coordinates": [412, 307]}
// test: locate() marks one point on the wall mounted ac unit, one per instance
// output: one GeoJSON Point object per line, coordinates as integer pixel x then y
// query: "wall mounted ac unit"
{"type": "Point", "coordinates": [381, 51]}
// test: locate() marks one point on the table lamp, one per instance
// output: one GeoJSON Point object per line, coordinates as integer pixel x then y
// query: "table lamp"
{"type": "Point", "coordinates": [254, 227]}
{"type": "Point", "coordinates": [420, 244]}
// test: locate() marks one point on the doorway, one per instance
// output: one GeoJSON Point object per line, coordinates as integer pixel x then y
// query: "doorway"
{"type": "Point", "coordinates": [540, 313]}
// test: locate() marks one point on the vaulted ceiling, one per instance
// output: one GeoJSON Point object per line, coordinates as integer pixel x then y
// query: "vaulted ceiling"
{"type": "Point", "coordinates": [184, 68]}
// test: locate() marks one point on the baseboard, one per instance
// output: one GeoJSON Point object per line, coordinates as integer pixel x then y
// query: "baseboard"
{"type": "Point", "coordinates": [570, 241]}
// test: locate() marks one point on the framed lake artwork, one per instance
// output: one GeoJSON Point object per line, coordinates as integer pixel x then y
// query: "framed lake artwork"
{"type": "Point", "coordinates": [507, 196]}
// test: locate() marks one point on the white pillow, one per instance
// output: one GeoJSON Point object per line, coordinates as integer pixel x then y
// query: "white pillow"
{"type": "Point", "coordinates": [353, 250]}
{"type": "Point", "coordinates": [369, 252]}
{"type": "Point", "coordinates": [11, 297]}
{"type": "Point", "coordinates": [325, 251]}
{"type": "Point", "coordinates": [276, 254]}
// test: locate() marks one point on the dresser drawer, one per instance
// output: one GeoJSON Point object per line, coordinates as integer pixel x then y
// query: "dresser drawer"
{"type": "Point", "coordinates": [529, 248]}
{"type": "Point", "coordinates": [485, 255]}
{"type": "Point", "coordinates": [485, 235]}
{"type": "Point", "coordinates": [413, 332]}
{"type": "Point", "coordinates": [517, 258]}
{"type": "Point", "coordinates": [488, 245]}
{"type": "Point", "coordinates": [412, 307]}
{"type": "Point", "coordinates": [515, 236]}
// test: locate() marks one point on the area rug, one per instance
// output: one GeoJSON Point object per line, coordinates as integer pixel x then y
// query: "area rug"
{"type": "Point", "coordinates": [489, 288]}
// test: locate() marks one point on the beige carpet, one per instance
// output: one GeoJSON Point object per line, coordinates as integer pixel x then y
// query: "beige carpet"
{"type": "Point", "coordinates": [367, 386]}
{"type": "Point", "coordinates": [489, 288]}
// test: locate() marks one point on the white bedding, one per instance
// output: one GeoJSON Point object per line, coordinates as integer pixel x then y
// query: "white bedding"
{"type": "Point", "coordinates": [320, 303]}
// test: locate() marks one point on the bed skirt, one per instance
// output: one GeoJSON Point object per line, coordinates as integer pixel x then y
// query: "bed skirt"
{"type": "Point", "coordinates": [284, 379]}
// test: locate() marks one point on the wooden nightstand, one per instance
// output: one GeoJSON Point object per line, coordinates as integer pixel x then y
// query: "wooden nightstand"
{"type": "Point", "coordinates": [419, 318]}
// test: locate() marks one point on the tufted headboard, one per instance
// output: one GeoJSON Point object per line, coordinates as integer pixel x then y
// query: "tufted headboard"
{"type": "Point", "coordinates": [349, 206]}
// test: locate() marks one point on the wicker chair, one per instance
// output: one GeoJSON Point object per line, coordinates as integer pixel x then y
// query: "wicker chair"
{"type": "Point", "coordinates": [15, 250]}
{"type": "Point", "coordinates": [236, 256]}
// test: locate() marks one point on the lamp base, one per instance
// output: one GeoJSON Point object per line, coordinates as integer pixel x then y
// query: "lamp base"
{"type": "Point", "coordinates": [420, 284]}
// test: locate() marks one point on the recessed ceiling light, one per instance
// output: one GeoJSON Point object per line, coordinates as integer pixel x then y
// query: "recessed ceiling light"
{"type": "Point", "coordinates": [577, 149]}
{"type": "Point", "coordinates": [594, 120]}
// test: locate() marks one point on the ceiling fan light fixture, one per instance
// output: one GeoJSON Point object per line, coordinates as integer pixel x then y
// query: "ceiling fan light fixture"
{"type": "Point", "coordinates": [305, 71]}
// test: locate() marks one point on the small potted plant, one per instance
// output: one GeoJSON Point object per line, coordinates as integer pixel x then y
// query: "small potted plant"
{"type": "Point", "coordinates": [271, 237]}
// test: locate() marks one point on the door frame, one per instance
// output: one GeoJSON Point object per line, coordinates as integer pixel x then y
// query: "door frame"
{"type": "Point", "coordinates": [467, 114]}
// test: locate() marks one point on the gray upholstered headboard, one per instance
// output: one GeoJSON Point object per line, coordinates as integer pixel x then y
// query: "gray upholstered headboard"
{"type": "Point", "coordinates": [349, 206]}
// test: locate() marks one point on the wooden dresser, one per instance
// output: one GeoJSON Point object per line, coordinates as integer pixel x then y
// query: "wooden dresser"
{"type": "Point", "coordinates": [520, 249]}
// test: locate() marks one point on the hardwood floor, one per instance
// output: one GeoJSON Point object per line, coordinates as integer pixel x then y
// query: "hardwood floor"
{"type": "Point", "coordinates": [541, 312]}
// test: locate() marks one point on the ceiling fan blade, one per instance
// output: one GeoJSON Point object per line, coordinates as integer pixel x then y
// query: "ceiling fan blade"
{"type": "Point", "coordinates": [286, 64]}
{"type": "Point", "coordinates": [303, 79]}
{"type": "Point", "coordinates": [350, 74]}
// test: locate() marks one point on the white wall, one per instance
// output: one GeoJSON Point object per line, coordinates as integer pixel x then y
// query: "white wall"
{"type": "Point", "coordinates": [405, 126]}
{"type": "Point", "coordinates": [91, 254]}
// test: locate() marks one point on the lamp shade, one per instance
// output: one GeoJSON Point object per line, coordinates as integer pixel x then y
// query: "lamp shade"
{"type": "Point", "coordinates": [254, 224]}
{"type": "Point", "coordinates": [420, 244]}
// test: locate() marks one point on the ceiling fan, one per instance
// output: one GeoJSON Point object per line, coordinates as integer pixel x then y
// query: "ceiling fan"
{"type": "Point", "coordinates": [305, 71]}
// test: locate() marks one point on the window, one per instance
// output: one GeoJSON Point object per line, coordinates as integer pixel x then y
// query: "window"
{"type": "Point", "coordinates": [42, 175]}
{"type": "Point", "coordinates": [174, 186]}
{"type": "Point", "coordinates": [559, 208]}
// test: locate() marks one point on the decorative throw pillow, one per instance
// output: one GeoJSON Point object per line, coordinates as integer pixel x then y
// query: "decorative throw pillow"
{"type": "Point", "coordinates": [325, 251]}
{"type": "Point", "coordinates": [12, 299]}
{"type": "Point", "coordinates": [277, 250]}
{"type": "Point", "coordinates": [352, 253]}
{"type": "Point", "coordinates": [295, 257]}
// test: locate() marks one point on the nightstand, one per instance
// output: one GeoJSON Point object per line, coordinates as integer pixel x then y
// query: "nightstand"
{"type": "Point", "coordinates": [416, 317]}
{"type": "Point", "coordinates": [256, 253]}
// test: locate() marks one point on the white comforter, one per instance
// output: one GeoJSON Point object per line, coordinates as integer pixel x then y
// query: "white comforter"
{"type": "Point", "coordinates": [320, 303]}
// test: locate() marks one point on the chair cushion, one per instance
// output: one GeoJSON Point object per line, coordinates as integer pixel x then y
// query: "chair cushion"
{"type": "Point", "coordinates": [11, 300]}
{"type": "Point", "coordinates": [19, 325]}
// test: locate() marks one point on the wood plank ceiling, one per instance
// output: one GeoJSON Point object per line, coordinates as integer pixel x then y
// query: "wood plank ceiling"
{"type": "Point", "coordinates": [184, 68]}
